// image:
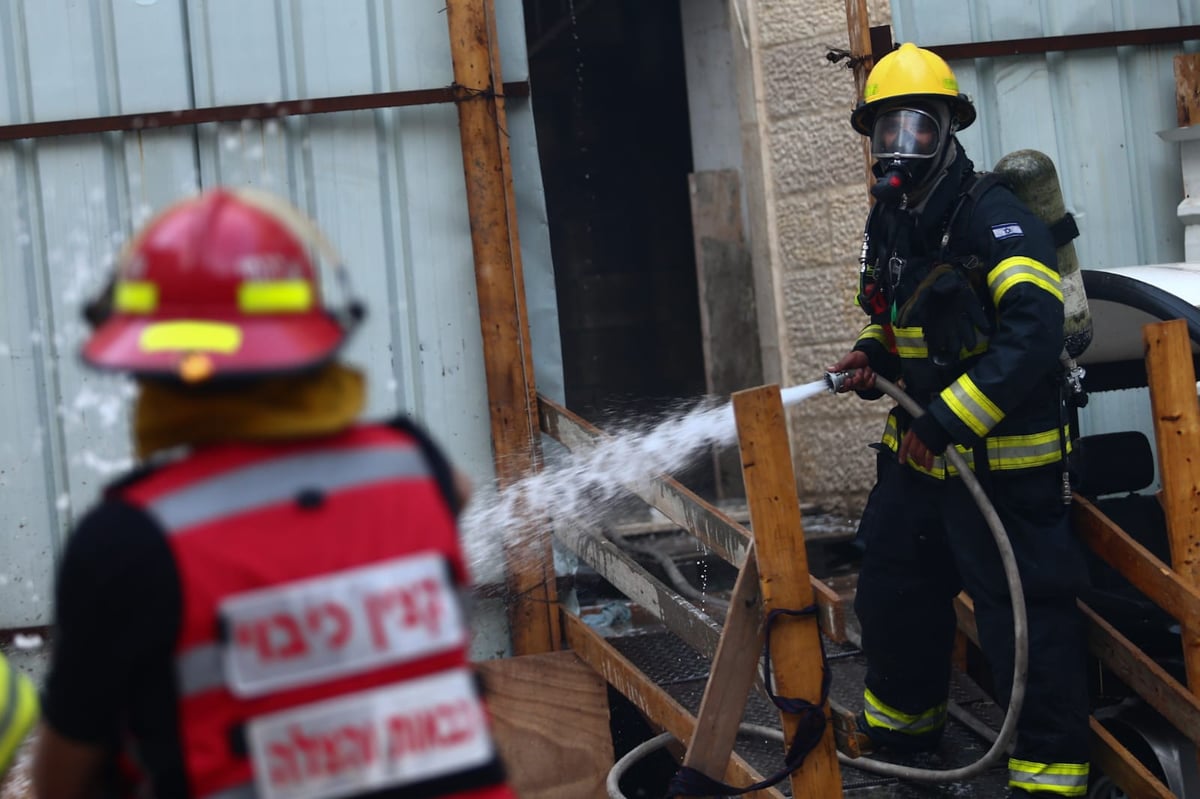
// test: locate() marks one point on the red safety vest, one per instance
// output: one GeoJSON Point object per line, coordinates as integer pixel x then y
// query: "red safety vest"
{"type": "Point", "coordinates": [322, 650]}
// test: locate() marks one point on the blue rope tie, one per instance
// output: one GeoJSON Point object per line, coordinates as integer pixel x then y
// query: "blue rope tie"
{"type": "Point", "coordinates": [810, 726]}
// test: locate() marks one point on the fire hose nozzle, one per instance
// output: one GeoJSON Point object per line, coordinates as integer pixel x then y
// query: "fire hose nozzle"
{"type": "Point", "coordinates": [835, 380]}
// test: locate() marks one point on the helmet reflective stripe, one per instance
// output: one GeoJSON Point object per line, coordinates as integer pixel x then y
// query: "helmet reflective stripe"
{"type": "Point", "coordinates": [135, 296]}
{"type": "Point", "coordinates": [275, 296]}
{"type": "Point", "coordinates": [189, 336]}
{"type": "Point", "coordinates": [1061, 779]}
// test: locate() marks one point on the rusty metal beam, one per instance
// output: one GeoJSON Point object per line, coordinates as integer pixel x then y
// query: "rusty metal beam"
{"type": "Point", "coordinates": [155, 120]}
{"type": "Point", "coordinates": [881, 42]}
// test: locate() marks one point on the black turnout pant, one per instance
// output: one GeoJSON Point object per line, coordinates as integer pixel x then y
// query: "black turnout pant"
{"type": "Point", "coordinates": [925, 540]}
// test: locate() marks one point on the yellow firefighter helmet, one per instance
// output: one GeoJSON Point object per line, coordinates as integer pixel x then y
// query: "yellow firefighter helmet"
{"type": "Point", "coordinates": [915, 73]}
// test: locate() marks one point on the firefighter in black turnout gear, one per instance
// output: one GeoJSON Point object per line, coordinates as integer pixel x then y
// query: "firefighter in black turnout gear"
{"type": "Point", "coordinates": [966, 311]}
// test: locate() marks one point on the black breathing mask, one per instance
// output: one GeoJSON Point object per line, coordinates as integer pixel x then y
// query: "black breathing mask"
{"type": "Point", "coordinates": [895, 182]}
{"type": "Point", "coordinates": [907, 142]}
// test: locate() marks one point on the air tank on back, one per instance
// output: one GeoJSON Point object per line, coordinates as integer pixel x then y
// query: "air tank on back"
{"type": "Point", "coordinates": [1033, 178]}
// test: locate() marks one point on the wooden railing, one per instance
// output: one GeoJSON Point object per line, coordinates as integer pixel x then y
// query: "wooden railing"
{"type": "Point", "coordinates": [733, 648]}
{"type": "Point", "coordinates": [1177, 423]}
{"type": "Point", "coordinates": [1176, 414]}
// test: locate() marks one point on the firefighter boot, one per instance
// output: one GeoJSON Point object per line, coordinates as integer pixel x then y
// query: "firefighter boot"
{"type": "Point", "coordinates": [861, 737]}
{"type": "Point", "coordinates": [852, 740]}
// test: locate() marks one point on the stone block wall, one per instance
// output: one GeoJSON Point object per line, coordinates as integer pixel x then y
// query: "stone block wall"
{"type": "Point", "coordinates": [816, 194]}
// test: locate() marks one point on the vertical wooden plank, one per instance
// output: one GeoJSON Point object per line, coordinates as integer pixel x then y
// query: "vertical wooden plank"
{"type": "Point", "coordinates": [858, 25]}
{"type": "Point", "coordinates": [796, 659]}
{"type": "Point", "coordinates": [730, 678]}
{"type": "Point", "coordinates": [1187, 89]}
{"type": "Point", "coordinates": [1176, 413]}
{"type": "Point", "coordinates": [508, 357]}
{"type": "Point", "coordinates": [728, 316]}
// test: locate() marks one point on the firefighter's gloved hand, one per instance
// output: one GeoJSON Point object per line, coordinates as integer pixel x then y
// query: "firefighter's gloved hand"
{"type": "Point", "coordinates": [924, 439]}
{"type": "Point", "coordinates": [949, 311]}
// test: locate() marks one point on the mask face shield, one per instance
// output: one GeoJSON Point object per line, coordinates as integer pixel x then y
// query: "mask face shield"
{"type": "Point", "coordinates": [905, 133]}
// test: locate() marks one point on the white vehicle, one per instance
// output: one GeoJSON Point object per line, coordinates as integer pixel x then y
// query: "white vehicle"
{"type": "Point", "coordinates": [1118, 473]}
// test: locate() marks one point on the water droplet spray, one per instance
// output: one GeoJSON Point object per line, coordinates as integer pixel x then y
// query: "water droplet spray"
{"type": "Point", "coordinates": [584, 486]}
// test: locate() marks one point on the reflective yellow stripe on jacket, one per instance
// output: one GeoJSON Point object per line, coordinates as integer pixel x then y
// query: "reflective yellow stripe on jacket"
{"type": "Point", "coordinates": [971, 405]}
{"type": "Point", "coordinates": [966, 400]}
{"type": "Point", "coordinates": [910, 343]}
{"type": "Point", "coordinates": [1020, 269]}
{"type": "Point", "coordinates": [18, 711]}
{"type": "Point", "coordinates": [1003, 452]}
{"type": "Point", "coordinates": [873, 333]}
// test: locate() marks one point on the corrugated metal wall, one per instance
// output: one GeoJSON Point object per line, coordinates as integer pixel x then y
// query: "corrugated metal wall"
{"type": "Point", "coordinates": [1096, 112]}
{"type": "Point", "coordinates": [386, 186]}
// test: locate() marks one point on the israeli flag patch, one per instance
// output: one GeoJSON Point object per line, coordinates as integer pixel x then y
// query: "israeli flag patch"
{"type": "Point", "coordinates": [1009, 230]}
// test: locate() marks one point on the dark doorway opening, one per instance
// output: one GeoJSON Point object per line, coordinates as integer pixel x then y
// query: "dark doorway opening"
{"type": "Point", "coordinates": [610, 107]}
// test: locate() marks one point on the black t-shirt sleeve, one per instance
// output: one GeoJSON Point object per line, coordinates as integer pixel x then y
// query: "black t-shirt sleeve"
{"type": "Point", "coordinates": [117, 610]}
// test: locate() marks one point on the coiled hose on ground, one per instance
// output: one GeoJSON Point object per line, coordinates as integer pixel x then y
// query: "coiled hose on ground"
{"type": "Point", "coordinates": [1008, 729]}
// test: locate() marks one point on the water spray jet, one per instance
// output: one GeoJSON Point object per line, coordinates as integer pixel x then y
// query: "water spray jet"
{"type": "Point", "coordinates": [584, 485]}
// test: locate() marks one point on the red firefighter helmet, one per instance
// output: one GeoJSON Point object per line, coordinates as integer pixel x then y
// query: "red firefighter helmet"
{"type": "Point", "coordinates": [219, 285]}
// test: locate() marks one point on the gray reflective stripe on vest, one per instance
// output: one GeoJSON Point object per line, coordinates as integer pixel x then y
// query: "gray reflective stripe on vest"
{"type": "Point", "coordinates": [199, 669]}
{"type": "Point", "coordinates": [244, 791]}
{"type": "Point", "coordinates": [280, 480]}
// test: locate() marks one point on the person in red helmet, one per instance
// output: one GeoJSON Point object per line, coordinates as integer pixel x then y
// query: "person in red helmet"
{"type": "Point", "coordinates": [268, 605]}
